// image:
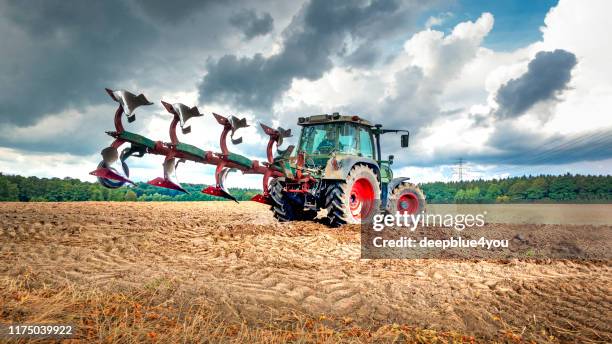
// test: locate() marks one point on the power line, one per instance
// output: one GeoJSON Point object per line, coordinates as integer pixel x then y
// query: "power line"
{"type": "Point", "coordinates": [461, 171]}
{"type": "Point", "coordinates": [552, 151]}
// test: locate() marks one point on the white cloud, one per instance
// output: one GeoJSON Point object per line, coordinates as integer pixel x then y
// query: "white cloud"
{"type": "Point", "coordinates": [442, 57]}
{"type": "Point", "coordinates": [583, 30]}
{"type": "Point", "coordinates": [438, 20]}
{"type": "Point", "coordinates": [582, 108]}
{"type": "Point", "coordinates": [412, 87]}
{"type": "Point", "coordinates": [14, 161]}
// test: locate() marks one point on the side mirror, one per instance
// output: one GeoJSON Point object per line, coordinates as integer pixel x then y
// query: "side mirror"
{"type": "Point", "coordinates": [391, 157]}
{"type": "Point", "coordinates": [405, 139]}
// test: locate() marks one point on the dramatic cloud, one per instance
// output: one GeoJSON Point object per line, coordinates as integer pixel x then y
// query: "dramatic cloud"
{"type": "Point", "coordinates": [58, 56]}
{"type": "Point", "coordinates": [431, 61]}
{"type": "Point", "coordinates": [251, 24]}
{"type": "Point", "coordinates": [547, 75]}
{"type": "Point", "coordinates": [61, 53]}
{"type": "Point", "coordinates": [315, 36]}
{"type": "Point", "coordinates": [173, 12]}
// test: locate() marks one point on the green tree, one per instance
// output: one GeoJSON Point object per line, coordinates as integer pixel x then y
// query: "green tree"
{"type": "Point", "coordinates": [493, 191]}
{"type": "Point", "coordinates": [538, 189]}
{"type": "Point", "coordinates": [502, 199]}
{"type": "Point", "coordinates": [96, 195]}
{"type": "Point", "coordinates": [460, 195]}
{"type": "Point", "coordinates": [38, 199]}
{"type": "Point", "coordinates": [472, 195]}
{"type": "Point", "coordinates": [563, 188]}
{"type": "Point", "coordinates": [8, 191]}
{"type": "Point", "coordinates": [518, 190]}
{"type": "Point", "coordinates": [130, 196]}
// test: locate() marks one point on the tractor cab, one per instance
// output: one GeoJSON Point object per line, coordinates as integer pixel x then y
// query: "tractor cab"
{"type": "Point", "coordinates": [325, 136]}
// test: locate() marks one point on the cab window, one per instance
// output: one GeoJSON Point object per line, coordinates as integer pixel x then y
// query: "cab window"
{"type": "Point", "coordinates": [347, 139]}
{"type": "Point", "coordinates": [365, 143]}
{"type": "Point", "coordinates": [318, 139]}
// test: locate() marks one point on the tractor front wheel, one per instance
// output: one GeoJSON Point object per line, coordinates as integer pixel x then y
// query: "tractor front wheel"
{"type": "Point", "coordinates": [281, 205]}
{"type": "Point", "coordinates": [352, 200]}
{"type": "Point", "coordinates": [284, 208]}
{"type": "Point", "coordinates": [406, 198]}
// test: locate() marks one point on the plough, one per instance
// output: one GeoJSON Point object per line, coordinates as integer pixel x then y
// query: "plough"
{"type": "Point", "coordinates": [337, 167]}
{"type": "Point", "coordinates": [175, 152]}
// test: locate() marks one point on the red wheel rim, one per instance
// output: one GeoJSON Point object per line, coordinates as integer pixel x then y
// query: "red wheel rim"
{"type": "Point", "coordinates": [408, 203]}
{"type": "Point", "coordinates": [361, 198]}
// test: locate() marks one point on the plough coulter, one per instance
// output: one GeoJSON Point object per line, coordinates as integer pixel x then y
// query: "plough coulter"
{"type": "Point", "coordinates": [337, 166]}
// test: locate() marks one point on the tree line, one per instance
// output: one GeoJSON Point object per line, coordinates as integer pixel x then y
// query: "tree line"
{"type": "Point", "coordinates": [543, 188]}
{"type": "Point", "coordinates": [34, 189]}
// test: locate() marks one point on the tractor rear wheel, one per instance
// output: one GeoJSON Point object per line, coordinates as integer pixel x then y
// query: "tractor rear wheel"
{"type": "Point", "coordinates": [353, 199]}
{"type": "Point", "coordinates": [406, 198]}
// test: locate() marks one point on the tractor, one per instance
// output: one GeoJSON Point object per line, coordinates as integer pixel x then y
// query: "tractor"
{"type": "Point", "coordinates": [337, 166]}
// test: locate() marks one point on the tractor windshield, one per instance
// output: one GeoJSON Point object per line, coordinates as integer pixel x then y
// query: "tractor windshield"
{"type": "Point", "coordinates": [323, 139]}
{"type": "Point", "coordinates": [318, 139]}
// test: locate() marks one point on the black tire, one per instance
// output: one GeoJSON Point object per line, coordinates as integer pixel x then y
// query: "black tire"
{"type": "Point", "coordinates": [282, 208]}
{"type": "Point", "coordinates": [406, 198]}
{"type": "Point", "coordinates": [109, 183]}
{"type": "Point", "coordinates": [341, 199]}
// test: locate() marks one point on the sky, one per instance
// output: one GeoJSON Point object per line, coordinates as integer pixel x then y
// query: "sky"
{"type": "Point", "coordinates": [509, 87]}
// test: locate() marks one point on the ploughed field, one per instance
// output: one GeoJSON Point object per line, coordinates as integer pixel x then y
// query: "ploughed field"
{"type": "Point", "coordinates": [188, 272]}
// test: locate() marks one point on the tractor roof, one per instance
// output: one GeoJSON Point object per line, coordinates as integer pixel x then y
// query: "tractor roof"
{"type": "Point", "coordinates": [335, 117]}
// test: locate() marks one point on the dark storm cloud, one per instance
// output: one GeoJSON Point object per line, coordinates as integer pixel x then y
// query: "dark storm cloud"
{"type": "Point", "coordinates": [173, 11]}
{"type": "Point", "coordinates": [315, 36]}
{"type": "Point", "coordinates": [547, 75]}
{"type": "Point", "coordinates": [59, 55]}
{"type": "Point", "coordinates": [63, 53]}
{"type": "Point", "coordinates": [251, 25]}
{"type": "Point", "coordinates": [363, 56]}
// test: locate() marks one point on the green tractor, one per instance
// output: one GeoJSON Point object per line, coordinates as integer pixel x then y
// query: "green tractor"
{"type": "Point", "coordinates": [339, 167]}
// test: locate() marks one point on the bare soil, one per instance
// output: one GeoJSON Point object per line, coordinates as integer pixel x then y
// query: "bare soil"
{"type": "Point", "coordinates": [220, 271]}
